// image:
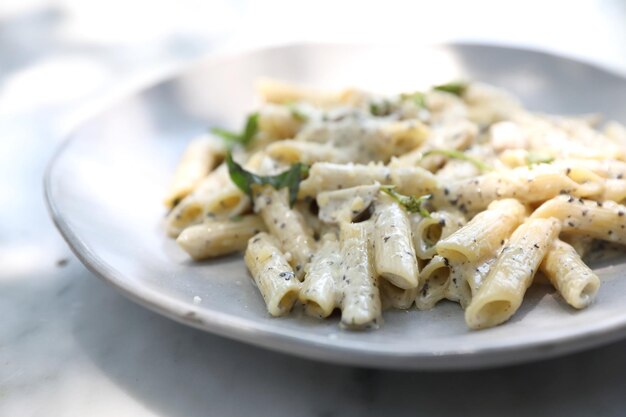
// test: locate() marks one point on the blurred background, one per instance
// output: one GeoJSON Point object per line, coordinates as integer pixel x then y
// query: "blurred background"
{"type": "Point", "coordinates": [61, 60]}
{"type": "Point", "coordinates": [63, 52]}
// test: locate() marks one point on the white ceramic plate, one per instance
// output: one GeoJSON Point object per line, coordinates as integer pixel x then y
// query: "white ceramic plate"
{"type": "Point", "coordinates": [105, 187]}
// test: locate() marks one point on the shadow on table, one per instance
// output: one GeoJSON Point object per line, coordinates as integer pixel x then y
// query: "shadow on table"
{"type": "Point", "coordinates": [181, 372]}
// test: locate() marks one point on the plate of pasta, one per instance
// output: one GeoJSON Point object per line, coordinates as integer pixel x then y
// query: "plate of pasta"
{"type": "Point", "coordinates": [457, 206]}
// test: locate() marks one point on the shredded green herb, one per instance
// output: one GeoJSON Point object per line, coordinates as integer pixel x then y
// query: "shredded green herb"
{"type": "Point", "coordinates": [534, 158]}
{"type": "Point", "coordinates": [410, 203]}
{"type": "Point", "coordinates": [289, 179]}
{"type": "Point", "coordinates": [456, 87]}
{"type": "Point", "coordinates": [236, 218]}
{"type": "Point", "coordinates": [450, 153]}
{"type": "Point", "coordinates": [243, 138]}
{"type": "Point", "coordinates": [382, 108]}
{"type": "Point", "coordinates": [296, 113]}
{"type": "Point", "coordinates": [417, 97]}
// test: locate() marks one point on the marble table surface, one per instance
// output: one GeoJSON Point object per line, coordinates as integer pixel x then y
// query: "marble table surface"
{"type": "Point", "coordinates": [72, 346]}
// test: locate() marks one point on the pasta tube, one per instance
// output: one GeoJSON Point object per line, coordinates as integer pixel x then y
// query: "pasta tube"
{"type": "Point", "coordinates": [501, 294]}
{"type": "Point", "coordinates": [319, 289]}
{"type": "Point", "coordinates": [459, 289]}
{"type": "Point", "coordinates": [200, 157]}
{"type": "Point", "coordinates": [219, 237]}
{"type": "Point", "coordinates": [272, 274]}
{"type": "Point", "coordinates": [275, 91]}
{"type": "Point", "coordinates": [397, 297]}
{"type": "Point", "coordinates": [484, 234]}
{"type": "Point", "coordinates": [527, 185]}
{"type": "Point", "coordinates": [434, 280]}
{"type": "Point", "coordinates": [345, 205]}
{"type": "Point", "coordinates": [288, 225]}
{"type": "Point", "coordinates": [215, 196]}
{"type": "Point", "coordinates": [360, 303]}
{"type": "Point", "coordinates": [279, 122]}
{"type": "Point", "coordinates": [574, 280]}
{"type": "Point", "coordinates": [291, 151]}
{"type": "Point", "coordinates": [324, 176]}
{"type": "Point", "coordinates": [606, 221]}
{"type": "Point", "coordinates": [430, 230]}
{"type": "Point", "coordinates": [393, 245]}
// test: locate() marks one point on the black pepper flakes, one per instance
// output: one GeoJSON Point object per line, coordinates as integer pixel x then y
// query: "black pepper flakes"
{"type": "Point", "coordinates": [286, 275]}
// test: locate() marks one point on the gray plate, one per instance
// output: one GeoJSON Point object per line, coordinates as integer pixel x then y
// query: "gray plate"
{"type": "Point", "coordinates": [105, 187]}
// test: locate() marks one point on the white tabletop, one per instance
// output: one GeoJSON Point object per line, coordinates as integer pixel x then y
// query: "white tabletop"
{"type": "Point", "coordinates": [72, 346]}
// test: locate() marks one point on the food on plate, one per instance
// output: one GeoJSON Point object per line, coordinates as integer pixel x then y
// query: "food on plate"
{"type": "Point", "coordinates": [360, 202]}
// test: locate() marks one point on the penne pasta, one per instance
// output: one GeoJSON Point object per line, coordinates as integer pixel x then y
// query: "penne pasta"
{"type": "Point", "coordinates": [599, 220]}
{"type": "Point", "coordinates": [327, 177]}
{"type": "Point", "coordinates": [574, 280]}
{"type": "Point", "coordinates": [320, 288]}
{"type": "Point", "coordinates": [291, 151]}
{"type": "Point", "coordinates": [214, 197]}
{"type": "Point", "coordinates": [396, 297]}
{"type": "Point", "coordinates": [275, 91]}
{"type": "Point", "coordinates": [360, 301]}
{"type": "Point", "coordinates": [201, 156]}
{"type": "Point", "coordinates": [288, 225]}
{"type": "Point", "coordinates": [272, 274]}
{"type": "Point", "coordinates": [354, 201]}
{"type": "Point", "coordinates": [501, 293]}
{"type": "Point", "coordinates": [347, 204]}
{"type": "Point", "coordinates": [219, 237]}
{"type": "Point", "coordinates": [394, 254]}
{"type": "Point", "coordinates": [484, 234]}
{"type": "Point", "coordinates": [524, 184]}
{"type": "Point", "coordinates": [434, 280]}
{"type": "Point", "coordinates": [430, 230]}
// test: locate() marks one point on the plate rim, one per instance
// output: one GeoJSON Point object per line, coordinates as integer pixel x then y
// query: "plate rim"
{"type": "Point", "coordinates": [268, 337]}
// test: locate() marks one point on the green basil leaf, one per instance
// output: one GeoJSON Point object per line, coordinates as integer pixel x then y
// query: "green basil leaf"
{"type": "Point", "coordinates": [289, 179]}
{"type": "Point", "coordinates": [538, 158]}
{"type": "Point", "coordinates": [296, 113]}
{"type": "Point", "coordinates": [381, 108]}
{"type": "Point", "coordinates": [456, 87]}
{"type": "Point", "coordinates": [418, 98]}
{"type": "Point", "coordinates": [244, 138]}
{"type": "Point", "coordinates": [410, 203]}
